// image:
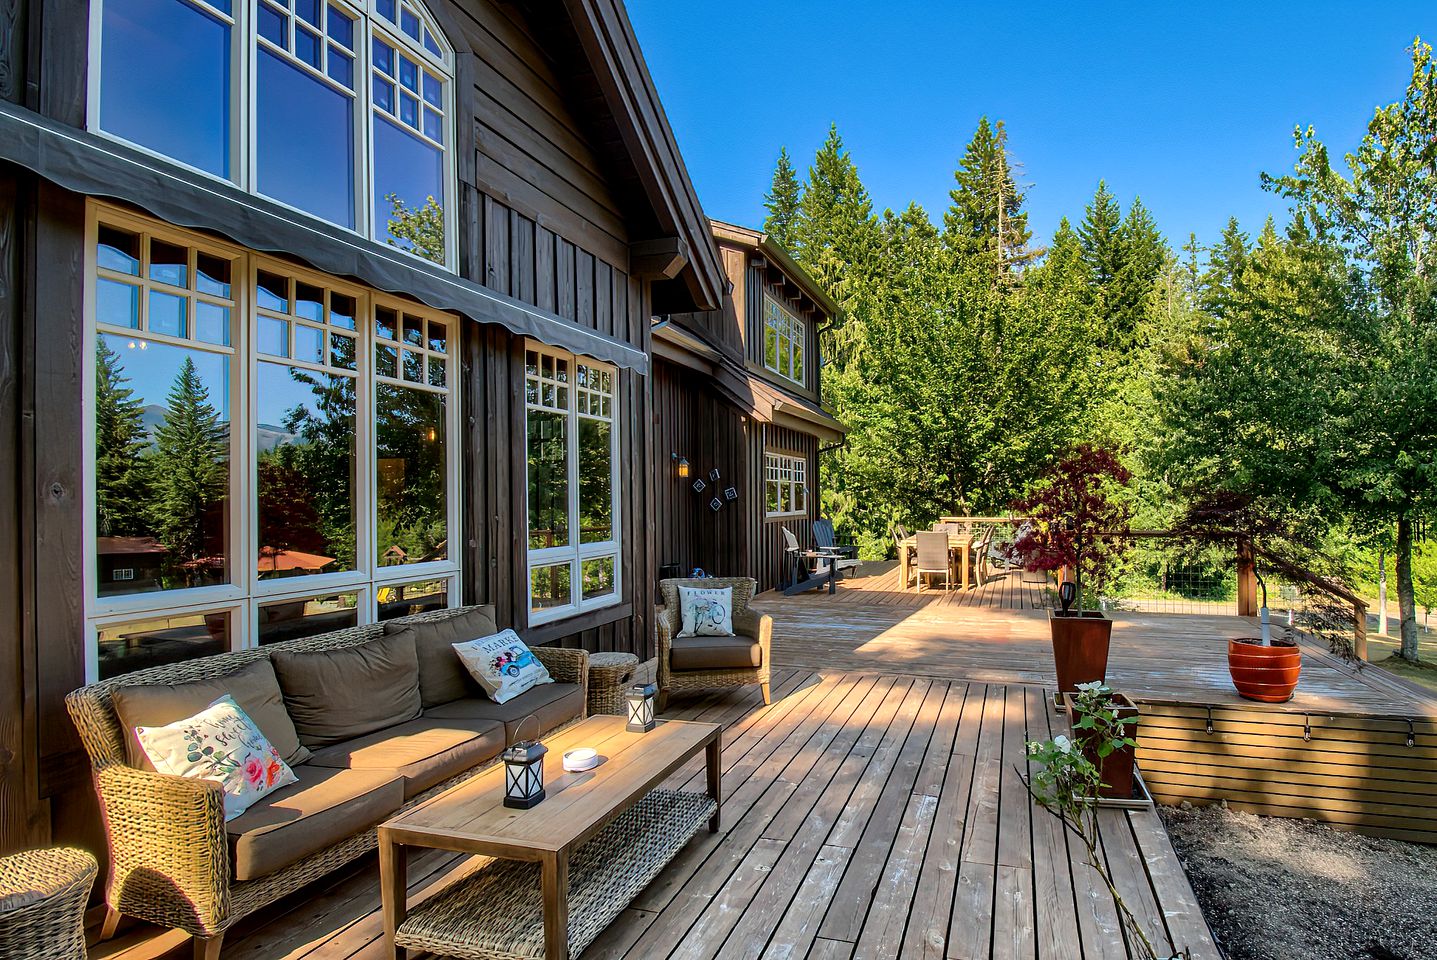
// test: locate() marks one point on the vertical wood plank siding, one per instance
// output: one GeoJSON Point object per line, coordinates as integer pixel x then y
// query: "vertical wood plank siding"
{"type": "Point", "coordinates": [756, 283]}
{"type": "Point", "coordinates": [537, 220]}
{"type": "Point", "coordinates": [693, 422]}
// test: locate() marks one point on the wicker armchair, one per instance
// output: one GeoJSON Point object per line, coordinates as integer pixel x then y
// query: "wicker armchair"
{"type": "Point", "coordinates": [42, 903]}
{"type": "Point", "coordinates": [747, 624]}
{"type": "Point", "coordinates": [169, 854]}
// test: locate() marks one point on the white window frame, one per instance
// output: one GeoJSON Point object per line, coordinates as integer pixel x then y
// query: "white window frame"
{"type": "Point", "coordinates": [245, 592]}
{"type": "Point", "coordinates": [245, 44]}
{"type": "Point", "coordinates": [789, 472]}
{"type": "Point", "coordinates": [787, 327]}
{"type": "Point", "coordinates": [575, 552]}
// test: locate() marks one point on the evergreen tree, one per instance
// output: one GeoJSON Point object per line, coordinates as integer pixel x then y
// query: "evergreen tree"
{"type": "Point", "coordinates": [986, 217]}
{"type": "Point", "coordinates": [1100, 237]}
{"type": "Point", "coordinates": [1142, 255]}
{"type": "Point", "coordinates": [120, 443]}
{"type": "Point", "coordinates": [782, 202]}
{"type": "Point", "coordinates": [190, 467]}
{"type": "Point", "coordinates": [1226, 261]}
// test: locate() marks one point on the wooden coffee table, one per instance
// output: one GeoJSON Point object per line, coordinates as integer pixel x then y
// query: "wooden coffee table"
{"type": "Point", "coordinates": [563, 869]}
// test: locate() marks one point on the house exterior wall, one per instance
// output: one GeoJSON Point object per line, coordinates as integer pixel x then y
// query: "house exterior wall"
{"type": "Point", "coordinates": [542, 218]}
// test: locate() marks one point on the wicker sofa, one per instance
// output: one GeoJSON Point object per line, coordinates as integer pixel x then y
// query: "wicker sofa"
{"type": "Point", "coordinates": [174, 860]}
{"type": "Point", "coordinates": [697, 663]}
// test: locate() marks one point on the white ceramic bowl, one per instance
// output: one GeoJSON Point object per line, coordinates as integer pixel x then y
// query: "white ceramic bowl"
{"type": "Point", "coordinates": [581, 758]}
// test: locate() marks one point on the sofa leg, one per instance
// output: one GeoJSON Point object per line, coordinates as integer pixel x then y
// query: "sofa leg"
{"type": "Point", "coordinates": [663, 701]}
{"type": "Point", "coordinates": [208, 948]}
{"type": "Point", "coordinates": [111, 923]}
{"type": "Point", "coordinates": [764, 687]}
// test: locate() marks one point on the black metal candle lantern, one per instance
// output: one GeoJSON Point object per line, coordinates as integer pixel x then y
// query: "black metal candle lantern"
{"type": "Point", "coordinates": [524, 771]}
{"type": "Point", "coordinates": [640, 703]}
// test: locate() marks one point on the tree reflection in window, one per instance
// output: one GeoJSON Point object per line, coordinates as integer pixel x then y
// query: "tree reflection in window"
{"type": "Point", "coordinates": [305, 468]}
{"type": "Point", "coordinates": [411, 461]}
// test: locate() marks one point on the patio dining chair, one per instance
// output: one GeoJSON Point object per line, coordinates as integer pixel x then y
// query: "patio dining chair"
{"type": "Point", "coordinates": [933, 557]}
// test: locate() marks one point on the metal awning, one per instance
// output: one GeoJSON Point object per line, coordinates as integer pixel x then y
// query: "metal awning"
{"type": "Point", "coordinates": [99, 167]}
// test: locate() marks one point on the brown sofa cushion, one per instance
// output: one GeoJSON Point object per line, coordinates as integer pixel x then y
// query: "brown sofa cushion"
{"type": "Point", "coordinates": [253, 687]}
{"type": "Point", "coordinates": [554, 704]}
{"type": "Point", "coordinates": [325, 807]}
{"type": "Point", "coordinates": [714, 653]}
{"type": "Point", "coordinates": [337, 695]}
{"type": "Point", "coordinates": [442, 676]}
{"type": "Point", "coordinates": [424, 752]}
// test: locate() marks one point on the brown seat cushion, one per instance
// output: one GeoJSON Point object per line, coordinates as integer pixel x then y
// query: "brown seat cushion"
{"type": "Point", "coordinates": [714, 653]}
{"type": "Point", "coordinates": [554, 704]}
{"type": "Point", "coordinates": [424, 752]}
{"type": "Point", "coordinates": [323, 808]}
{"type": "Point", "coordinates": [442, 676]}
{"type": "Point", "coordinates": [253, 687]}
{"type": "Point", "coordinates": [337, 695]}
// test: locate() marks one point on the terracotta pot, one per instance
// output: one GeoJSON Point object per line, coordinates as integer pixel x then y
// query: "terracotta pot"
{"type": "Point", "coordinates": [1080, 647]}
{"type": "Point", "coordinates": [1117, 767]}
{"type": "Point", "coordinates": [1267, 674]}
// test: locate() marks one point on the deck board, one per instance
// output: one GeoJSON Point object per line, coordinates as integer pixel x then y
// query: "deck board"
{"type": "Point", "coordinates": [866, 816]}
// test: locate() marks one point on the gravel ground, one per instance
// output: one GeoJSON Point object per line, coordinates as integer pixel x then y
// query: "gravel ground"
{"type": "Point", "coordinates": [1276, 889]}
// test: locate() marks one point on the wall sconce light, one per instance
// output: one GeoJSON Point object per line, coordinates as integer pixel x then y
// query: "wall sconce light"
{"type": "Point", "coordinates": [681, 465]}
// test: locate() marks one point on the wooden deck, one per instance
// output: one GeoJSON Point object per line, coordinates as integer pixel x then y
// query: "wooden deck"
{"type": "Point", "coordinates": [864, 816]}
{"type": "Point", "coordinates": [999, 634]}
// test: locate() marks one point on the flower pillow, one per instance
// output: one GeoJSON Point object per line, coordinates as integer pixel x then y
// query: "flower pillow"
{"type": "Point", "coordinates": [502, 665]}
{"type": "Point", "coordinates": [706, 611]}
{"type": "Point", "coordinates": [219, 743]}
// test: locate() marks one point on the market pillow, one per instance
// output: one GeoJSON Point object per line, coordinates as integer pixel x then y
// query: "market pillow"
{"type": "Point", "coordinates": [706, 611]}
{"type": "Point", "coordinates": [219, 743]}
{"type": "Point", "coordinates": [502, 665]}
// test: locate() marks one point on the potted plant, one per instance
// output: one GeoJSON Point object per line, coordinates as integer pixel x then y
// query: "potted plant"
{"type": "Point", "coordinates": [1264, 668]}
{"type": "Point", "coordinates": [1075, 524]}
{"type": "Point", "coordinates": [1068, 783]}
{"type": "Point", "coordinates": [1104, 724]}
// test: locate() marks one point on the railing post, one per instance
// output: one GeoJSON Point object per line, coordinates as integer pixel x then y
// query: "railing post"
{"type": "Point", "coordinates": [1246, 580]}
{"type": "Point", "coordinates": [1359, 631]}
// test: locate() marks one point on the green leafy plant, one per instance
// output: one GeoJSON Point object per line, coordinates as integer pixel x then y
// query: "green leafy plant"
{"type": "Point", "coordinates": [1067, 781]}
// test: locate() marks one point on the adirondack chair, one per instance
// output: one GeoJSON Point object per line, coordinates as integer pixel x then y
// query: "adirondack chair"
{"type": "Point", "coordinates": [845, 555]}
{"type": "Point", "coordinates": [807, 568]}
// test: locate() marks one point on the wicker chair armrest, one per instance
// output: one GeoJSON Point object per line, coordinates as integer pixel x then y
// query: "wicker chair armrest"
{"type": "Point", "coordinates": [566, 665]}
{"type": "Point", "coordinates": [759, 626]}
{"type": "Point", "coordinates": [169, 857]}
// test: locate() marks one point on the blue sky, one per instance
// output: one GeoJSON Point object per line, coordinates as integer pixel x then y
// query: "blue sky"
{"type": "Point", "coordinates": [1182, 104]}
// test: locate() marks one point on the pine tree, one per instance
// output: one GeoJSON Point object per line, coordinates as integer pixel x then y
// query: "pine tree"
{"type": "Point", "coordinates": [190, 467]}
{"type": "Point", "coordinates": [120, 442]}
{"type": "Point", "coordinates": [1099, 237]}
{"type": "Point", "coordinates": [1226, 261]}
{"type": "Point", "coordinates": [1142, 255]}
{"type": "Point", "coordinates": [986, 215]}
{"type": "Point", "coordinates": [782, 202]}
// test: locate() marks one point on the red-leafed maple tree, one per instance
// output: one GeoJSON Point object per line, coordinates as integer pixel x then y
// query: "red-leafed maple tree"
{"type": "Point", "coordinates": [1074, 520]}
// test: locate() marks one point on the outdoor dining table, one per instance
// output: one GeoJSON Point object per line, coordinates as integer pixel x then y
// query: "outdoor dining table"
{"type": "Point", "coordinates": [960, 550]}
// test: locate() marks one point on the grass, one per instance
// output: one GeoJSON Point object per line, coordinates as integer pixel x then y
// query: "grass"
{"type": "Point", "coordinates": [1382, 651]}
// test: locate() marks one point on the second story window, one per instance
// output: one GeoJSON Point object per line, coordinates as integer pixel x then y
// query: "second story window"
{"type": "Point", "coordinates": [783, 336]}
{"type": "Point", "coordinates": [340, 110]}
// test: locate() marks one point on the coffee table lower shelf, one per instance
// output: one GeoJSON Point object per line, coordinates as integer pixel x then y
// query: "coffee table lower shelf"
{"type": "Point", "coordinates": [497, 912]}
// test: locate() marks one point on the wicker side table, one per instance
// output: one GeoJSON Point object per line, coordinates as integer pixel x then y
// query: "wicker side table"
{"type": "Point", "coordinates": [42, 903]}
{"type": "Point", "coordinates": [609, 675]}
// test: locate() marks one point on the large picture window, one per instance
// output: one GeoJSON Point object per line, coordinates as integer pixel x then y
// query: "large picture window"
{"type": "Point", "coordinates": [783, 335]}
{"type": "Point", "coordinates": [785, 486]}
{"type": "Point", "coordinates": [340, 110]}
{"type": "Point", "coordinates": [271, 454]}
{"type": "Point", "coordinates": [570, 443]}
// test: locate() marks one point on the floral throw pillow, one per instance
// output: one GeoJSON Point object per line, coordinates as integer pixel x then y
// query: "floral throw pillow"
{"type": "Point", "coordinates": [219, 743]}
{"type": "Point", "coordinates": [706, 611]}
{"type": "Point", "coordinates": [502, 665]}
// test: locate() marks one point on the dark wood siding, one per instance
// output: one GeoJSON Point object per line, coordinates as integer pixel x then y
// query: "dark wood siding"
{"type": "Point", "coordinates": [767, 557]}
{"type": "Point", "coordinates": [693, 422]}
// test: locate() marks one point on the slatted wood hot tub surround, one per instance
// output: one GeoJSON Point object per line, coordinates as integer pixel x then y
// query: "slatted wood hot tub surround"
{"type": "Point", "coordinates": [1376, 774]}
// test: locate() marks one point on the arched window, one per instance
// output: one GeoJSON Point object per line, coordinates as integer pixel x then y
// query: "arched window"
{"type": "Point", "coordinates": [342, 110]}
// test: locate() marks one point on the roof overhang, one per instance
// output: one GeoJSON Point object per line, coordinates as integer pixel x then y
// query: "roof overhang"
{"type": "Point", "coordinates": [607, 38]}
{"type": "Point", "coordinates": [751, 393]}
{"type": "Point", "coordinates": [756, 241]}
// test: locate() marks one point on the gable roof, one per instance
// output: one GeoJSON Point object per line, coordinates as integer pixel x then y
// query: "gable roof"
{"type": "Point", "coordinates": [681, 254]}
{"type": "Point", "coordinates": [778, 257]}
